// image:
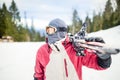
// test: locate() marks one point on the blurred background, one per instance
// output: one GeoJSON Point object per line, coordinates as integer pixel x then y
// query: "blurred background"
{"type": "Point", "coordinates": [22, 32]}
{"type": "Point", "coordinates": [25, 20]}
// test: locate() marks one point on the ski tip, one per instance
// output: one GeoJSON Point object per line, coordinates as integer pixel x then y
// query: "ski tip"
{"type": "Point", "coordinates": [118, 50]}
{"type": "Point", "coordinates": [112, 51]}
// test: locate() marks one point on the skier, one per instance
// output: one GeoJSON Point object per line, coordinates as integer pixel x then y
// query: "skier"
{"type": "Point", "coordinates": [57, 60]}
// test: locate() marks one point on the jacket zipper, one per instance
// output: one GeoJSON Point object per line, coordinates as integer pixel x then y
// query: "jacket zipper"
{"type": "Point", "coordinates": [66, 71]}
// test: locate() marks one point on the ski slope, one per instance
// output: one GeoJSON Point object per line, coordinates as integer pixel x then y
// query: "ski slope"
{"type": "Point", "coordinates": [17, 60]}
{"type": "Point", "coordinates": [112, 38]}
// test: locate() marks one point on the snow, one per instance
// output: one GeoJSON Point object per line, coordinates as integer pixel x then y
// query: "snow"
{"type": "Point", "coordinates": [112, 38]}
{"type": "Point", "coordinates": [17, 59]}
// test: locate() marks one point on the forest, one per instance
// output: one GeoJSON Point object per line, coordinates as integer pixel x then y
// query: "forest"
{"type": "Point", "coordinates": [109, 18]}
{"type": "Point", "coordinates": [10, 22]}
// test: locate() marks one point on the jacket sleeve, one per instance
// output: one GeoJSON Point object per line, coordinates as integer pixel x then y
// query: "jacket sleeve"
{"type": "Point", "coordinates": [92, 61]}
{"type": "Point", "coordinates": [39, 72]}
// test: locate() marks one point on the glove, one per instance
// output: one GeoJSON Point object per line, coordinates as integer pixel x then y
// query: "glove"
{"type": "Point", "coordinates": [95, 39]}
{"type": "Point", "coordinates": [102, 55]}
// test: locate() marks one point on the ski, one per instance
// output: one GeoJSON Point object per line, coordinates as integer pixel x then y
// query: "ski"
{"type": "Point", "coordinates": [100, 47]}
{"type": "Point", "coordinates": [79, 43]}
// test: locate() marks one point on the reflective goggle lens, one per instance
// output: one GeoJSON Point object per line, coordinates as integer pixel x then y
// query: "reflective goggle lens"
{"type": "Point", "coordinates": [50, 30]}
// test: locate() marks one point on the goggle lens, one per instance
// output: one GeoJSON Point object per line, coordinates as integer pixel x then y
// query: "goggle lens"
{"type": "Point", "coordinates": [50, 30]}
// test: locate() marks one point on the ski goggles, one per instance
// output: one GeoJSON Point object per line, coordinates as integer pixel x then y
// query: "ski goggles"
{"type": "Point", "coordinates": [52, 30]}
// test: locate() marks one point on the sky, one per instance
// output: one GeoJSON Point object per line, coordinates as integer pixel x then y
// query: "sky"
{"type": "Point", "coordinates": [43, 11]}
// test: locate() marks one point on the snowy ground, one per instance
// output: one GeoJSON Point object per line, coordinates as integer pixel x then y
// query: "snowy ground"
{"type": "Point", "coordinates": [112, 38]}
{"type": "Point", "coordinates": [17, 60]}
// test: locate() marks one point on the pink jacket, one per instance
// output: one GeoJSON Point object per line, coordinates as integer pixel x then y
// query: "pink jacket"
{"type": "Point", "coordinates": [43, 58]}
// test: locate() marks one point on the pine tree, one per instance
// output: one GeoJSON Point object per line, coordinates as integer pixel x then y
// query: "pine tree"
{"type": "Point", "coordinates": [95, 22]}
{"type": "Point", "coordinates": [7, 23]}
{"type": "Point", "coordinates": [88, 21]}
{"type": "Point", "coordinates": [117, 12]}
{"type": "Point", "coordinates": [76, 22]}
{"type": "Point", "coordinates": [107, 15]}
{"type": "Point", "coordinates": [14, 12]}
{"type": "Point", "coordinates": [100, 17]}
{"type": "Point", "coordinates": [2, 22]}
